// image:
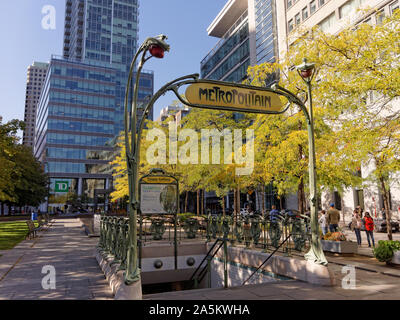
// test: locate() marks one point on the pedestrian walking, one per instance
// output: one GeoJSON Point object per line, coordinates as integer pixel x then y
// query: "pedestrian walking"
{"type": "Point", "coordinates": [369, 229]}
{"type": "Point", "coordinates": [323, 223]}
{"type": "Point", "coordinates": [356, 224]}
{"type": "Point", "coordinates": [333, 218]}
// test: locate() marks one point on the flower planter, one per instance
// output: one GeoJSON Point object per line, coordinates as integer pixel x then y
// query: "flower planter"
{"type": "Point", "coordinates": [339, 246]}
{"type": "Point", "coordinates": [396, 258]}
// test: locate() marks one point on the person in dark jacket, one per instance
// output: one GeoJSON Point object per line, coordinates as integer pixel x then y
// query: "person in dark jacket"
{"type": "Point", "coordinates": [274, 214]}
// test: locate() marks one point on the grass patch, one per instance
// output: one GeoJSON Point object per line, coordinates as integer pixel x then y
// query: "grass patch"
{"type": "Point", "coordinates": [12, 233]}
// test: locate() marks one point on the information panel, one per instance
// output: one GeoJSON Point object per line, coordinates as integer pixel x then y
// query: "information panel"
{"type": "Point", "coordinates": [158, 198]}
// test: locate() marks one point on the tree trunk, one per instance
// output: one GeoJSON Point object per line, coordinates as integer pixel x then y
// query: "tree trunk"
{"type": "Point", "coordinates": [387, 209]}
{"type": "Point", "coordinates": [198, 202]}
{"type": "Point", "coordinates": [238, 200]}
{"type": "Point", "coordinates": [301, 197]}
{"type": "Point", "coordinates": [263, 200]}
{"type": "Point", "coordinates": [202, 201]}
{"type": "Point", "coordinates": [223, 206]}
{"type": "Point", "coordinates": [186, 201]}
{"type": "Point", "coordinates": [300, 189]}
{"type": "Point", "coordinates": [234, 204]}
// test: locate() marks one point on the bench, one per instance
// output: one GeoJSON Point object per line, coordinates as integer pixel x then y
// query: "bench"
{"type": "Point", "coordinates": [41, 221]}
{"type": "Point", "coordinates": [47, 218]}
{"type": "Point", "coordinates": [32, 229]}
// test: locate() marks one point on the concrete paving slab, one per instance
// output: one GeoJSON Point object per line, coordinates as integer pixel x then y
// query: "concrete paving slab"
{"type": "Point", "coordinates": [65, 247]}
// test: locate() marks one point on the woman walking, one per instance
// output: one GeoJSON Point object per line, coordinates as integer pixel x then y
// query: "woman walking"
{"type": "Point", "coordinates": [356, 224]}
{"type": "Point", "coordinates": [369, 228]}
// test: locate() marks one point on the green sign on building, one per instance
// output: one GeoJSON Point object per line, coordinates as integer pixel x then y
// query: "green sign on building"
{"type": "Point", "coordinates": [61, 186]}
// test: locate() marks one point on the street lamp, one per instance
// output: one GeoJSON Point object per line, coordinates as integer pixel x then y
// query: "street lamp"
{"type": "Point", "coordinates": [156, 47]}
{"type": "Point", "coordinates": [307, 72]}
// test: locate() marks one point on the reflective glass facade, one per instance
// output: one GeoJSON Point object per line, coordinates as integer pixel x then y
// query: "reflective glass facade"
{"type": "Point", "coordinates": [265, 31]}
{"type": "Point", "coordinates": [75, 122]}
{"type": "Point", "coordinates": [82, 103]}
{"type": "Point", "coordinates": [105, 32]}
{"type": "Point", "coordinates": [232, 58]}
{"type": "Point", "coordinates": [237, 38]}
{"type": "Point", "coordinates": [233, 54]}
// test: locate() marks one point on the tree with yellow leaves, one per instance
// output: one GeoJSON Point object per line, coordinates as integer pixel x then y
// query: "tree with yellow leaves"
{"type": "Point", "coordinates": [351, 128]}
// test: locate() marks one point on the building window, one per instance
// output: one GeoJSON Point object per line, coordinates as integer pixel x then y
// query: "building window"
{"type": "Point", "coordinates": [337, 200]}
{"type": "Point", "coordinates": [313, 7]}
{"type": "Point", "coordinates": [394, 6]}
{"type": "Point", "coordinates": [328, 22]}
{"type": "Point", "coordinates": [380, 16]}
{"type": "Point", "coordinates": [289, 3]}
{"type": "Point", "coordinates": [297, 19]}
{"type": "Point", "coordinates": [348, 9]}
{"type": "Point", "coordinates": [321, 2]}
{"type": "Point", "coordinates": [290, 25]}
{"type": "Point", "coordinates": [305, 13]}
{"type": "Point", "coordinates": [359, 198]}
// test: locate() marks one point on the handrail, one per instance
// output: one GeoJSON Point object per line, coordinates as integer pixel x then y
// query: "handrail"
{"type": "Point", "coordinates": [287, 238]}
{"type": "Point", "coordinates": [204, 271]}
{"type": "Point", "coordinates": [206, 258]}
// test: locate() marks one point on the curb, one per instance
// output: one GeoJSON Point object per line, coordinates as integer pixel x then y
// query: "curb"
{"type": "Point", "coordinates": [115, 278]}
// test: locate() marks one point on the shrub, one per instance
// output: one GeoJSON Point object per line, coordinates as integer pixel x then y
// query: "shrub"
{"type": "Point", "coordinates": [385, 249]}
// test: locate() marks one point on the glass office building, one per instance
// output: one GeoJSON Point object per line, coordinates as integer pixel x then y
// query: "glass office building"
{"type": "Point", "coordinates": [266, 33]}
{"type": "Point", "coordinates": [81, 107]}
{"type": "Point", "coordinates": [230, 58]}
{"type": "Point", "coordinates": [106, 33]}
{"type": "Point", "coordinates": [75, 121]}
{"type": "Point", "coordinates": [247, 29]}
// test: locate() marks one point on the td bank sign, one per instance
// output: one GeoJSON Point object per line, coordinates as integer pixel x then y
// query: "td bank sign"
{"type": "Point", "coordinates": [61, 186]}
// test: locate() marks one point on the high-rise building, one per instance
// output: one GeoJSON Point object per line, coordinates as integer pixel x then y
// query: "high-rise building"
{"type": "Point", "coordinates": [247, 29]}
{"type": "Point", "coordinates": [106, 33]}
{"type": "Point", "coordinates": [34, 82]}
{"type": "Point", "coordinates": [82, 102]}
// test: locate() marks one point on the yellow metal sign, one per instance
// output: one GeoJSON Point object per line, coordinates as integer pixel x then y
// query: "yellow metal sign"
{"type": "Point", "coordinates": [158, 180]}
{"type": "Point", "coordinates": [245, 99]}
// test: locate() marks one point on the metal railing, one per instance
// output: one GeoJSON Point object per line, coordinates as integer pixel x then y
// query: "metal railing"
{"type": "Point", "coordinates": [268, 233]}
{"type": "Point", "coordinates": [201, 270]}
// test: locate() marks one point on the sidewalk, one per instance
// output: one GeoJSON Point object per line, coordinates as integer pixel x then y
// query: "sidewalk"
{"type": "Point", "coordinates": [65, 246]}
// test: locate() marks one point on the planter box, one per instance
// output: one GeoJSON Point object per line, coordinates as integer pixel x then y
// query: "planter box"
{"type": "Point", "coordinates": [396, 258]}
{"type": "Point", "coordinates": [339, 246]}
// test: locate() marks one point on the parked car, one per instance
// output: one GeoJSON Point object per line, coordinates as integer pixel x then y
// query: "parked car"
{"type": "Point", "coordinates": [380, 225]}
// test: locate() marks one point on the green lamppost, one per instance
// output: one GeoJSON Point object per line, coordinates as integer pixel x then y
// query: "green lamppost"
{"type": "Point", "coordinates": [155, 47]}
{"type": "Point", "coordinates": [307, 72]}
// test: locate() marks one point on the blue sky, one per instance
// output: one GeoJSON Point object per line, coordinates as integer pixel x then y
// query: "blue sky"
{"type": "Point", "coordinates": [24, 41]}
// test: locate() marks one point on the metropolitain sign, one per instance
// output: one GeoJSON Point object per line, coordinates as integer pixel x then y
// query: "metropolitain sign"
{"type": "Point", "coordinates": [235, 98]}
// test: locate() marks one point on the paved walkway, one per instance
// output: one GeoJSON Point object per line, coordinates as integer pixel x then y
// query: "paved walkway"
{"type": "Point", "coordinates": [65, 246]}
